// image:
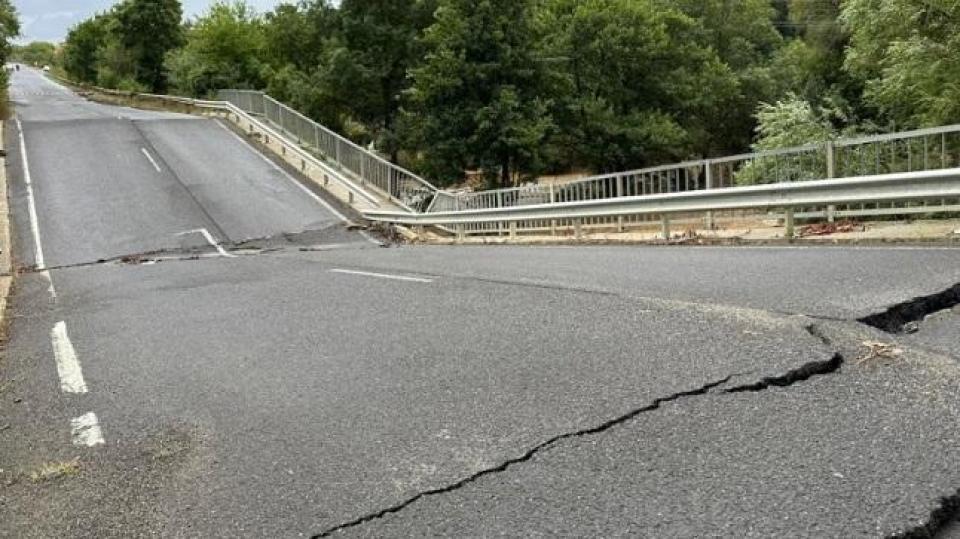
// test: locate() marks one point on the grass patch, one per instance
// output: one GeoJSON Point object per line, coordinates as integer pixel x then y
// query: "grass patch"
{"type": "Point", "coordinates": [52, 471]}
{"type": "Point", "coordinates": [5, 108]}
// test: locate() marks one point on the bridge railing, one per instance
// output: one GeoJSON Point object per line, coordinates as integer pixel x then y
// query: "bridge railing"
{"type": "Point", "coordinates": [910, 151]}
{"type": "Point", "coordinates": [370, 169]}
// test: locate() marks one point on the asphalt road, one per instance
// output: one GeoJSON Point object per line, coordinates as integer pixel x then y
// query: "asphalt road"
{"type": "Point", "coordinates": [330, 386]}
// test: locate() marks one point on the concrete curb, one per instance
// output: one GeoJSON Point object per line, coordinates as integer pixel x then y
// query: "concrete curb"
{"type": "Point", "coordinates": [6, 265]}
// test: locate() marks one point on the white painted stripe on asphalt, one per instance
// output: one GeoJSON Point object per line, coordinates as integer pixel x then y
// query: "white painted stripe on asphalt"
{"type": "Point", "coordinates": [68, 366]}
{"type": "Point", "coordinates": [383, 276]}
{"type": "Point", "coordinates": [150, 158]}
{"type": "Point", "coordinates": [317, 198]}
{"type": "Point", "coordinates": [53, 291]}
{"type": "Point", "coordinates": [211, 240]}
{"type": "Point", "coordinates": [31, 201]}
{"type": "Point", "coordinates": [86, 430]}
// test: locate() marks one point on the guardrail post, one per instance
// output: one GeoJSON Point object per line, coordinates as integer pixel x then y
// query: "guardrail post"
{"type": "Point", "coordinates": [553, 222]}
{"type": "Point", "coordinates": [708, 172]}
{"type": "Point", "coordinates": [831, 173]}
{"type": "Point", "coordinates": [500, 223]}
{"type": "Point", "coordinates": [461, 234]}
{"type": "Point", "coordinates": [789, 224]}
{"type": "Point", "coordinates": [619, 194]}
{"type": "Point", "coordinates": [665, 226]}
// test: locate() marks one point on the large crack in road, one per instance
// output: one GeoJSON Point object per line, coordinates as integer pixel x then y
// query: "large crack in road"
{"type": "Point", "coordinates": [801, 374]}
{"type": "Point", "coordinates": [944, 510]}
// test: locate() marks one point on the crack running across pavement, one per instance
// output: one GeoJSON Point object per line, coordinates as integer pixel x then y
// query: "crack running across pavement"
{"type": "Point", "coordinates": [795, 376]}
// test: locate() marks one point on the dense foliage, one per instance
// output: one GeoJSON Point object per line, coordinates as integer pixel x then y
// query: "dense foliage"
{"type": "Point", "coordinates": [9, 29]}
{"type": "Point", "coordinates": [38, 53]}
{"type": "Point", "coordinates": [516, 88]}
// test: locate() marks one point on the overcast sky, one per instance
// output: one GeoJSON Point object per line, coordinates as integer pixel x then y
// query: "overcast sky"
{"type": "Point", "coordinates": [49, 20]}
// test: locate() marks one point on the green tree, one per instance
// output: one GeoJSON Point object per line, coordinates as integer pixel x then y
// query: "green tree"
{"type": "Point", "coordinates": [297, 34]}
{"type": "Point", "coordinates": [298, 42]}
{"type": "Point", "coordinates": [477, 98]}
{"type": "Point", "coordinates": [35, 53]}
{"type": "Point", "coordinates": [788, 123]}
{"type": "Point", "coordinates": [627, 79]}
{"type": "Point", "coordinates": [148, 30]}
{"type": "Point", "coordinates": [905, 51]}
{"type": "Point", "coordinates": [743, 35]}
{"type": "Point", "coordinates": [9, 29]}
{"type": "Point", "coordinates": [81, 46]}
{"type": "Point", "coordinates": [376, 47]}
{"type": "Point", "coordinates": [224, 49]}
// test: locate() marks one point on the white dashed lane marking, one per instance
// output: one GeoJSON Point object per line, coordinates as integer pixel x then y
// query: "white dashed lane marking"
{"type": "Point", "coordinates": [151, 159]}
{"type": "Point", "coordinates": [86, 430]}
{"type": "Point", "coordinates": [68, 366]}
{"type": "Point", "coordinates": [383, 276]}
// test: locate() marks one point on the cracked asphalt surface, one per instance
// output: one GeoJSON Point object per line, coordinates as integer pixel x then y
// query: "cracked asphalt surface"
{"type": "Point", "coordinates": [660, 392]}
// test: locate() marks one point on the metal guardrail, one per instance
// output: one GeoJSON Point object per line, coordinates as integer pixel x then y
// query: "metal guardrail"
{"type": "Point", "coordinates": [924, 149]}
{"type": "Point", "coordinates": [401, 185]}
{"type": "Point", "coordinates": [862, 189]}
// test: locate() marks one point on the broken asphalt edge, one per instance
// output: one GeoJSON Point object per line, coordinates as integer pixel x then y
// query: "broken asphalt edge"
{"type": "Point", "coordinates": [901, 317]}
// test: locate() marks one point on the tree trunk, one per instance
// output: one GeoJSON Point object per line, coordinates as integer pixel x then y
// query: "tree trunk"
{"type": "Point", "coordinates": [505, 178]}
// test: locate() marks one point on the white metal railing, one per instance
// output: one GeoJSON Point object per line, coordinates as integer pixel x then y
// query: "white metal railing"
{"type": "Point", "coordinates": [399, 184]}
{"type": "Point", "coordinates": [918, 150]}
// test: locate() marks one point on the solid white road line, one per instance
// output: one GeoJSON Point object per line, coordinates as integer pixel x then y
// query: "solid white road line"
{"type": "Point", "coordinates": [383, 276]}
{"type": "Point", "coordinates": [86, 430]}
{"type": "Point", "coordinates": [31, 201]}
{"type": "Point", "coordinates": [150, 158]}
{"type": "Point", "coordinates": [68, 366]}
{"type": "Point", "coordinates": [211, 240]}
{"type": "Point", "coordinates": [299, 185]}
